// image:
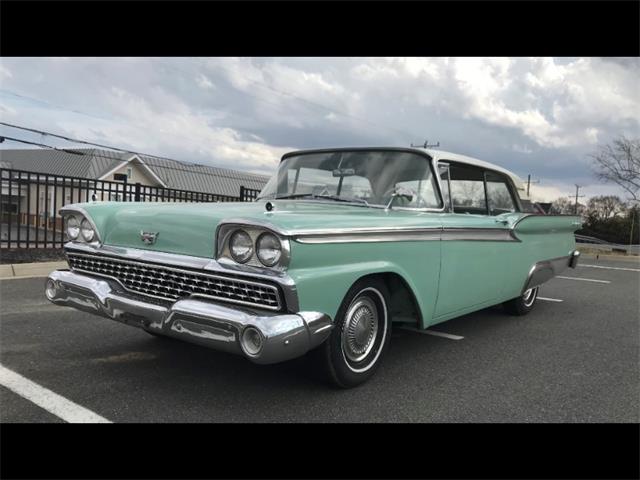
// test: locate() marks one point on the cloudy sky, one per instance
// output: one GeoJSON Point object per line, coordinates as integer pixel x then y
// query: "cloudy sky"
{"type": "Point", "coordinates": [540, 116]}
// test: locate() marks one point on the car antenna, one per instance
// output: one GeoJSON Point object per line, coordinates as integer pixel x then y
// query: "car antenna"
{"type": "Point", "coordinates": [426, 145]}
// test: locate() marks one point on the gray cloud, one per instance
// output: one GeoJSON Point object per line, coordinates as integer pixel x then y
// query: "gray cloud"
{"type": "Point", "coordinates": [540, 116]}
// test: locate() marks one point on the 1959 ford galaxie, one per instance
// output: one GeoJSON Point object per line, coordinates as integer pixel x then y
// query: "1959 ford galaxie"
{"type": "Point", "coordinates": [340, 245]}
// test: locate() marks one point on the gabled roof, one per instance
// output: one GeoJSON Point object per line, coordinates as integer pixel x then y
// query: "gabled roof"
{"type": "Point", "coordinates": [96, 163]}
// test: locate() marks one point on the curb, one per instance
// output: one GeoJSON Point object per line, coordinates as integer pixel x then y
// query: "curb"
{"type": "Point", "coordinates": [27, 270]}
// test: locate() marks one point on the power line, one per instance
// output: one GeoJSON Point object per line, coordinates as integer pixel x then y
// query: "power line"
{"type": "Point", "coordinates": [85, 142]}
{"type": "Point", "coordinates": [49, 104]}
{"type": "Point", "coordinates": [112, 159]}
{"type": "Point", "coordinates": [27, 142]}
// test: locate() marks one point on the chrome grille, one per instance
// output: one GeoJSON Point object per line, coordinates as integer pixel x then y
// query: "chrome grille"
{"type": "Point", "coordinates": [168, 283]}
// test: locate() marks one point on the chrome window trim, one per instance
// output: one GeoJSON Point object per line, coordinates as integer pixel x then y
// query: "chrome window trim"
{"type": "Point", "coordinates": [513, 191]}
{"type": "Point", "coordinates": [285, 282]}
{"type": "Point", "coordinates": [180, 270]}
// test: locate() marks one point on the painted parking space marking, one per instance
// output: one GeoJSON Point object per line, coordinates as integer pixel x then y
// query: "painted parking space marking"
{"type": "Point", "coordinates": [46, 399]}
{"type": "Point", "coordinates": [433, 332]}
{"type": "Point", "coordinates": [550, 299]}
{"type": "Point", "coordinates": [611, 268]}
{"type": "Point", "coordinates": [584, 279]}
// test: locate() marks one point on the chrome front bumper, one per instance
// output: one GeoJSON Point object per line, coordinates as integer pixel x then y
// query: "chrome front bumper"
{"type": "Point", "coordinates": [284, 336]}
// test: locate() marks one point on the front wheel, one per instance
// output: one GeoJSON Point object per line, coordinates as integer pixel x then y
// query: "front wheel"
{"type": "Point", "coordinates": [361, 333]}
{"type": "Point", "coordinates": [522, 304]}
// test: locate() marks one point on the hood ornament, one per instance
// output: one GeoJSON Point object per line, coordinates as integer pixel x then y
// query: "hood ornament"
{"type": "Point", "coordinates": [148, 238]}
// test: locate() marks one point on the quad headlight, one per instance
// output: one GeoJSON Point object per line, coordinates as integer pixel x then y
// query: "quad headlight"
{"type": "Point", "coordinates": [73, 227]}
{"type": "Point", "coordinates": [79, 227]}
{"type": "Point", "coordinates": [87, 231]}
{"type": "Point", "coordinates": [252, 245]}
{"type": "Point", "coordinates": [241, 246]}
{"type": "Point", "coordinates": [269, 249]}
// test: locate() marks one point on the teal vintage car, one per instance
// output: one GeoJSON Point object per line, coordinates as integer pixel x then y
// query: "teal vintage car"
{"type": "Point", "coordinates": [341, 245]}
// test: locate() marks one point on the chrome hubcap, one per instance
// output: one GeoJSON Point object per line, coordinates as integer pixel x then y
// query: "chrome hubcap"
{"type": "Point", "coordinates": [360, 329]}
{"type": "Point", "coordinates": [529, 296]}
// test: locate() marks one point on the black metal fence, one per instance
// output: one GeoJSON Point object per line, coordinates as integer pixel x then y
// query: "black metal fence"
{"type": "Point", "coordinates": [30, 203]}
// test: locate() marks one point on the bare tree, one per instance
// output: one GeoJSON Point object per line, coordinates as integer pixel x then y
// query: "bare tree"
{"type": "Point", "coordinates": [604, 207]}
{"type": "Point", "coordinates": [562, 206]}
{"type": "Point", "coordinates": [619, 162]}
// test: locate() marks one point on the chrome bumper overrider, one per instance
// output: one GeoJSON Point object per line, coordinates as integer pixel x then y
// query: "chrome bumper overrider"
{"type": "Point", "coordinates": [284, 336]}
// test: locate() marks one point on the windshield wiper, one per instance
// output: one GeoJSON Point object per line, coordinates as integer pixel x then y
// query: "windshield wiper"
{"type": "Point", "coordinates": [328, 197]}
{"type": "Point", "coordinates": [344, 199]}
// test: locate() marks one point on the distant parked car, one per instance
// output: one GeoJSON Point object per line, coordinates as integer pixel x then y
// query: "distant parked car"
{"type": "Point", "coordinates": [341, 245]}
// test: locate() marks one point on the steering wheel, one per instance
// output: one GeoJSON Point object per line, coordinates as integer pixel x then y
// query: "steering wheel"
{"type": "Point", "coordinates": [418, 198]}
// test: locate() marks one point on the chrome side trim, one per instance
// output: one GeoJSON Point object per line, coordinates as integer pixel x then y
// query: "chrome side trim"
{"type": "Point", "coordinates": [206, 323]}
{"type": "Point", "coordinates": [197, 263]}
{"type": "Point", "coordinates": [412, 235]}
{"type": "Point", "coordinates": [479, 235]}
{"type": "Point", "coordinates": [542, 271]}
{"type": "Point", "coordinates": [373, 234]}
{"type": "Point", "coordinates": [363, 237]}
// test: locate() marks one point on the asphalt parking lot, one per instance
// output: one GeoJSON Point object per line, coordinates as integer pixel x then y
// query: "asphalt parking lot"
{"type": "Point", "coordinates": [575, 358]}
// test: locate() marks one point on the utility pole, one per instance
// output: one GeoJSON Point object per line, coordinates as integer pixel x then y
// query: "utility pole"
{"type": "Point", "coordinates": [529, 182]}
{"type": "Point", "coordinates": [578, 187]}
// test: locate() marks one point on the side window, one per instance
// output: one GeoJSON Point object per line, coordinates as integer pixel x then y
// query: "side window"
{"type": "Point", "coordinates": [500, 198]}
{"type": "Point", "coordinates": [467, 190]}
{"type": "Point", "coordinates": [443, 170]}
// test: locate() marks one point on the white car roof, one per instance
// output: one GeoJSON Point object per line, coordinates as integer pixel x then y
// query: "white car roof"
{"type": "Point", "coordinates": [455, 157]}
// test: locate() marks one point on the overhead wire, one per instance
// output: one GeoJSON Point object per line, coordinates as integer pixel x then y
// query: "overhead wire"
{"type": "Point", "coordinates": [93, 153]}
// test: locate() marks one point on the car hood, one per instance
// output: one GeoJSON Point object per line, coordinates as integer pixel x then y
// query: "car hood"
{"type": "Point", "coordinates": [189, 228]}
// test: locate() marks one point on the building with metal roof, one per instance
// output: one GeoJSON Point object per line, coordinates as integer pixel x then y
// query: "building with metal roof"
{"type": "Point", "coordinates": [97, 164]}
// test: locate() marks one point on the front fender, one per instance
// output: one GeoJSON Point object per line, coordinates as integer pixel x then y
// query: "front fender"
{"type": "Point", "coordinates": [324, 273]}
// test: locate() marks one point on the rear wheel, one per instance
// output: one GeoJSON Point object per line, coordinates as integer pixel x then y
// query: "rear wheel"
{"type": "Point", "coordinates": [351, 355]}
{"type": "Point", "coordinates": [522, 304]}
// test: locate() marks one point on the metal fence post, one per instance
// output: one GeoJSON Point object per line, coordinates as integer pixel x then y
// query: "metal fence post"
{"type": "Point", "coordinates": [137, 194]}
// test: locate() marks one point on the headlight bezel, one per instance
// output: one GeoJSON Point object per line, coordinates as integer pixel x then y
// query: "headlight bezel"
{"type": "Point", "coordinates": [80, 216]}
{"type": "Point", "coordinates": [223, 255]}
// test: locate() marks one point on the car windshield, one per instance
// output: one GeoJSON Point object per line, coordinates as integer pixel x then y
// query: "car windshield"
{"type": "Point", "coordinates": [366, 177]}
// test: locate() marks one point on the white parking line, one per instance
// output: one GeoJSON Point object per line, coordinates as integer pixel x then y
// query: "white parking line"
{"type": "Point", "coordinates": [550, 299]}
{"type": "Point", "coordinates": [48, 400]}
{"type": "Point", "coordinates": [610, 268]}
{"type": "Point", "coordinates": [434, 333]}
{"type": "Point", "coordinates": [584, 279]}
